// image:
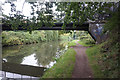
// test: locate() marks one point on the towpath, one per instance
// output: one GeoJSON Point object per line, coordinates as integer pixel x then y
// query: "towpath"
{"type": "Point", "coordinates": [81, 68]}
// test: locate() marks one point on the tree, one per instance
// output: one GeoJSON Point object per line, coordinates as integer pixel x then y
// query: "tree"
{"type": "Point", "coordinates": [79, 12]}
{"type": "Point", "coordinates": [75, 12]}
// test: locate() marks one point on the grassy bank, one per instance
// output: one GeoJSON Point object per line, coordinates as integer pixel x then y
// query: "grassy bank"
{"type": "Point", "coordinates": [93, 54]}
{"type": "Point", "coordinates": [104, 58]}
{"type": "Point", "coordinates": [86, 43]}
{"type": "Point", "coordinates": [22, 37]}
{"type": "Point", "coordinates": [85, 39]}
{"type": "Point", "coordinates": [64, 66]}
{"type": "Point", "coordinates": [104, 62]}
{"type": "Point", "coordinates": [71, 43]}
{"type": "Point", "coordinates": [83, 42]}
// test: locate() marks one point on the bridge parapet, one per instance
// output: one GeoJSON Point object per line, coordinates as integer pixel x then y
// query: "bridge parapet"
{"type": "Point", "coordinates": [95, 29]}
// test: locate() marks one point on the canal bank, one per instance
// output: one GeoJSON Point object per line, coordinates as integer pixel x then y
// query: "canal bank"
{"type": "Point", "coordinates": [44, 54]}
{"type": "Point", "coordinates": [37, 55]}
{"type": "Point", "coordinates": [66, 64]}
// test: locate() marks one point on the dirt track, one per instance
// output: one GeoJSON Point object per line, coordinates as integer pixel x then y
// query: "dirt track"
{"type": "Point", "coordinates": [82, 68]}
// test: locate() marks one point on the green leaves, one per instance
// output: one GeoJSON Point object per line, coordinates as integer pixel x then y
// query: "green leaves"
{"type": "Point", "coordinates": [79, 12]}
{"type": "Point", "coordinates": [22, 37]}
{"type": "Point", "coordinates": [33, 22]}
{"type": "Point", "coordinates": [76, 12]}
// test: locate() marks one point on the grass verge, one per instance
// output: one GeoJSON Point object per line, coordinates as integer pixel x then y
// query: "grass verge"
{"type": "Point", "coordinates": [103, 59]}
{"type": "Point", "coordinates": [86, 43]}
{"type": "Point", "coordinates": [93, 55]}
{"type": "Point", "coordinates": [72, 43]}
{"type": "Point", "coordinates": [64, 66]}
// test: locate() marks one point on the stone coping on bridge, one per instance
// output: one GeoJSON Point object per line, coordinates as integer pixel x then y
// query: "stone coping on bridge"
{"type": "Point", "coordinates": [97, 21]}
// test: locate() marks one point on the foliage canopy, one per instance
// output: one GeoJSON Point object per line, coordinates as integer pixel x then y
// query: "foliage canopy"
{"type": "Point", "coordinates": [66, 12]}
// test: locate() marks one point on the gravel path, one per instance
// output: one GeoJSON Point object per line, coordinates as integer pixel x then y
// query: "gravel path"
{"type": "Point", "coordinates": [82, 68]}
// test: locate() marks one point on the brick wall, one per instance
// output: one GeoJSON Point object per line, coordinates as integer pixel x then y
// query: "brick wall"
{"type": "Point", "coordinates": [96, 30]}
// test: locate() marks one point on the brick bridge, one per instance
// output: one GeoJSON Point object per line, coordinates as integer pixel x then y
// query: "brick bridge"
{"type": "Point", "coordinates": [94, 29]}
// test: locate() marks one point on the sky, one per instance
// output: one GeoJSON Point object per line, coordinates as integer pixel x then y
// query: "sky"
{"type": "Point", "coordinates": [19, 3]}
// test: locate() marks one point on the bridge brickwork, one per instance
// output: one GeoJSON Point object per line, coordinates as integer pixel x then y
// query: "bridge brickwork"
{"type": "Point", "coordinates": [94, 28]}
{"type": "Point", "coordinates": [96, 31]}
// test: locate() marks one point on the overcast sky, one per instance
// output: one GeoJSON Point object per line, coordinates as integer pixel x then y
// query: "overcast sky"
{"type": "Point", "coordinates": [19, 3]}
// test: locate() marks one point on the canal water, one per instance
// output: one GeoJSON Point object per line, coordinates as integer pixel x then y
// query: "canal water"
{"type": "Point", "coordinates": [41, 54]}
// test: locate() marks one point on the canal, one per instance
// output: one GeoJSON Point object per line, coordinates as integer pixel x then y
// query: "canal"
{"type": "Point", "coordinates": [42, 54]}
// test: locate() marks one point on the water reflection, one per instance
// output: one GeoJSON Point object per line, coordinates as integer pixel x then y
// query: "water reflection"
{"type": "Point", "coordinates": [30, 60]}
{"type": "Point", "coordinates": [41, 54]}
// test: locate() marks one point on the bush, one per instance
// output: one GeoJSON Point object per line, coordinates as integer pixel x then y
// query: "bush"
{"type": "Point", "coordinates": [22, 37]}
